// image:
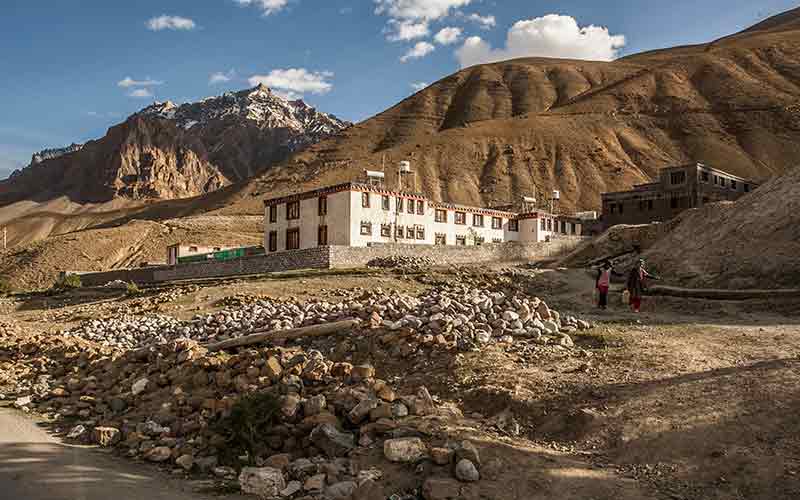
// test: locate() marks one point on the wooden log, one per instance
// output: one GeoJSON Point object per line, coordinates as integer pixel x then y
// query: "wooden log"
{"type": "Point", "coordinates": [283, 335]}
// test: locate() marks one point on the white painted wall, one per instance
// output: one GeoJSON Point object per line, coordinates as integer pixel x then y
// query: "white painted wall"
{"type": "Point", "coordinates": [346, 214]}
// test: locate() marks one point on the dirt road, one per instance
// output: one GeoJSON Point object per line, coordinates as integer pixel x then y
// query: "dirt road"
{"type": "Point", "coordinates": [35, 466]}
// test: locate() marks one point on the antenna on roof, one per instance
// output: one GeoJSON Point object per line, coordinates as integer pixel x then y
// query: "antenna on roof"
{"type": "Point", "coordinates": [404, 168]}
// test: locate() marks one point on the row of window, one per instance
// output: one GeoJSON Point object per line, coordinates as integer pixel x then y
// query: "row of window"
{"type": "Point", "coordinates": [723, 181]}
{"type": "Point", "coordinates": [649, 205]}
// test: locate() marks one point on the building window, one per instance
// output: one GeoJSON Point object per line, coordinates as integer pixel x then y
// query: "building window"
{"type": "Point", "coordinates": [385, 201]}
{"type": "Point", "coordinates": [550, 225]}
{"type": "Point", "coordinates": [513, 225]}
{"type": "Point", "coordinates": [441, 239]}
{"type": "Point", "coordinates": [366, 228]}
{"type": "Point", "coordinates": [322, 236]}
{"type": "Point", "coordinates": [461, 241]}
{"type": "Point", "coordinates": [480, 240]}
{"type": "Point", "coordinates": [677, 178]}
{"type": "Point", "coordinates": [733, 185]}
{"type": "Point", "coordinates": [544, 225]}
{"type": "Point", "coordinates": [293, 239]}
{"type": "Point", "coordinates": [411, 206]}
{"type": "Point", "coordinates": [621, 207]}
{"type": "Point", "coordinates": [722, 181]}
{"type": "Point", "coordinates": [293, 210]}
{"type": "Point", "coordinates": [420, 232]}
{"type": "Point", "coordinates": [410, 233]}
{"type": "Point", "coordinates": [322, 205]}
{"type": "Point", "coordinates": [573, 229]}
{"type": "Point", "coordinates": [650, 204]}
{"type": "Point", "coordinates": [497, 223]}
{"type": "Point", "coordinates": [400, 232]}
{"type": "Point", "coordinates": [497, 240]}
{"type": "Point", "coordinates": [193, 249]}
{"type": "Point", "coordinates": [716, 180]}
{"type": "Point", "coordinates": [273, 241]}
{"type": "Point", "coordinates": [399, 204]}
{"type": "Point", "coordinates": [461, 218]}
{"type": "Point", "coordinates": [386, 230]}
{"type": "Point", "coordinates": [477, 220]}
{"type": "Point", "coordinates": [704, 176]}
{"type": "Point", "coordinates": [441, 215]}
{"type": "Point", "coordinates": [673, 203]}
{"type": "Point", "coordinates": [612, 207]}
{"type": "Point", "coordinates": [273, 214]}
{"type": "Point", "coordinates": [747, 188]}
{"type": "Point", "coordinates": [563, 227]}
{"type": "Point", "coordinates": [642, 205]}
{"type": "Point", "coordinates": [420, 207]}
{"type": "Point", "coordinates": [364, 200]}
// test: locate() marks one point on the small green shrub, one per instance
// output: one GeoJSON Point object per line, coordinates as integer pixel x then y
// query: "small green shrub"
{"type": "Point", "coordinates": [132, 289]}
{"type": "Point", "coordinates": [249, 421]}
{"type": "Point", "coordinates": [71, 281]}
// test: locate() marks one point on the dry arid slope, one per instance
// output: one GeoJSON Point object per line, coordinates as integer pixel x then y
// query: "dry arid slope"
{"type": "Point", "coordinates": [752, 243]}
{"type": "Point", "coordinates": [490, 134]}
{"type": "Point", "coordinates": [36, 266]}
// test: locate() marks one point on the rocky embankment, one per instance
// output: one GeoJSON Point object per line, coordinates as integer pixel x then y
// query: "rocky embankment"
{"type": "Point", "coordinates": [282, 419]}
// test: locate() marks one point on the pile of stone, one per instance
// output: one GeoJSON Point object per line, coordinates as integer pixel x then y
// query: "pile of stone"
{"type": "Point", "coordinates": [406, 263]}
{"type": "Point", "coordinates": [169, 405]}
{"type": "Point", "coordinates": [466, 315]}
{"type": "Point", "coordinates": [129, 332]}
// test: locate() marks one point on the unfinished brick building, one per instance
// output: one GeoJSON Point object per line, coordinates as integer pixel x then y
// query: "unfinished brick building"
{"type": "Point", "coordinates": [677, 189]}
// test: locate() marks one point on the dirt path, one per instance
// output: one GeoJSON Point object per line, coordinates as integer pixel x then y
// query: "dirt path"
{"type": "Point", "coordinates": [36, 466]}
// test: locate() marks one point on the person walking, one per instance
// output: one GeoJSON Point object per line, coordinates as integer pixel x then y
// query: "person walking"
{"type": "Point", "coordinates": [636, 285]}
{"type": "Point", "coordinates": [603, 283]}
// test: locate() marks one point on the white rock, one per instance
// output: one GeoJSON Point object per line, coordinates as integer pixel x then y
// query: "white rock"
{"type": "Point", "coordinates": [264, 482]}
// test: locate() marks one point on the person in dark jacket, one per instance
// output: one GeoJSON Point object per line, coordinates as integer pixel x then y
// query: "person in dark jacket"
{"type": "Point", "coordinates": [603, 282]}
{"type": "Point", "coordinates": [636, 285]}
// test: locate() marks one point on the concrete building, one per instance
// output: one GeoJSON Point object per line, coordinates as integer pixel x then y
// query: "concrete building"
{"type": "Point", "coordinates": [677, 189]}
{"type": "Point", "coordinates": [360, 215]}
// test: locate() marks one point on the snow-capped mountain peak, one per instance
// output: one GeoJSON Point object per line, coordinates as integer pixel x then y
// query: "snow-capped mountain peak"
{"type": "Point", "coordinates": [257, 106]}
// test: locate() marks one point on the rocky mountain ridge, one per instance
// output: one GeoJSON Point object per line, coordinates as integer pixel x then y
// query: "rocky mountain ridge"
{"type": "Point", "coordinates": [166, 151]}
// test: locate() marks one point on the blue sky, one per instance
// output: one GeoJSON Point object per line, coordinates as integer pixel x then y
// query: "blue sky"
{"type": "Point", "coordinates": [70, 69]}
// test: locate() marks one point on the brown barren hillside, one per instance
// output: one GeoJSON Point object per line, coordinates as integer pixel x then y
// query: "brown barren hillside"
{"type": "Point", "coordinates": [492, 133]}
{"type": "Point", "coordinates": [36, 266]}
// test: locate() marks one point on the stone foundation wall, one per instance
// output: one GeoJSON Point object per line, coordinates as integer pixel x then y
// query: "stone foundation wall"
{"type": "Point", "coordinates": [345, 257]}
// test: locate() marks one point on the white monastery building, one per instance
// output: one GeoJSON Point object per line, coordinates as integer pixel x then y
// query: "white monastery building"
{"type": "Point", "coordinates": [359, 215]}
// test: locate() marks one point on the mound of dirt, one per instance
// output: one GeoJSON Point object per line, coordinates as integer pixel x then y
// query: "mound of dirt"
{"type": "Point", "coordinates": [752, 243]}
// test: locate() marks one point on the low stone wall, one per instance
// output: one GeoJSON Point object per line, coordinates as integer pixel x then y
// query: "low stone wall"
{"type": "Point", "coordinates": [334, 257]}
{"type": "Point", "coordinates": [313, 258]}
{"type": "Point", "coordinates": [342, 257]}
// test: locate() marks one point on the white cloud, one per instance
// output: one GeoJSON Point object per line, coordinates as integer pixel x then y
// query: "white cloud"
{"type": "Point", "coordinates": [406, 30]}
{"type": "Point", "coordinates": [448, 36]}
{"type": "Point", "coordinates": [288, 95]}
{"type": "Point", "coordinates": [485, 22]}
{"type": "Point", "coordinates": [140, 93]}
{"type": "Point", "coordinates": [417, 86]}
{"type": "Point", "coordinates": [170, 23]}
{"type": "Point", "coordinates": [418, 9]}
{"type": "Point", "coordinates": [549, 36]}
{"type": "Point", "coordinates": [130, 82]}
{"type": "Point", "coordinates": [268, 7]}
{"type": "Point", "coordinates": [419, 50]}
{"type": "Point", "coordinates": [296, 80]}
{"type": "Point", "coordinates": [220, 77]}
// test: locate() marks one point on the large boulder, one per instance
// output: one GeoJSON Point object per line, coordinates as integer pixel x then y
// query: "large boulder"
{"type": "Point", "coordinates": [404, 450]}
{"type": "Point", "coordinates": [331, 441]}
{"type": "Point", "coordinates": [264, 482]}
